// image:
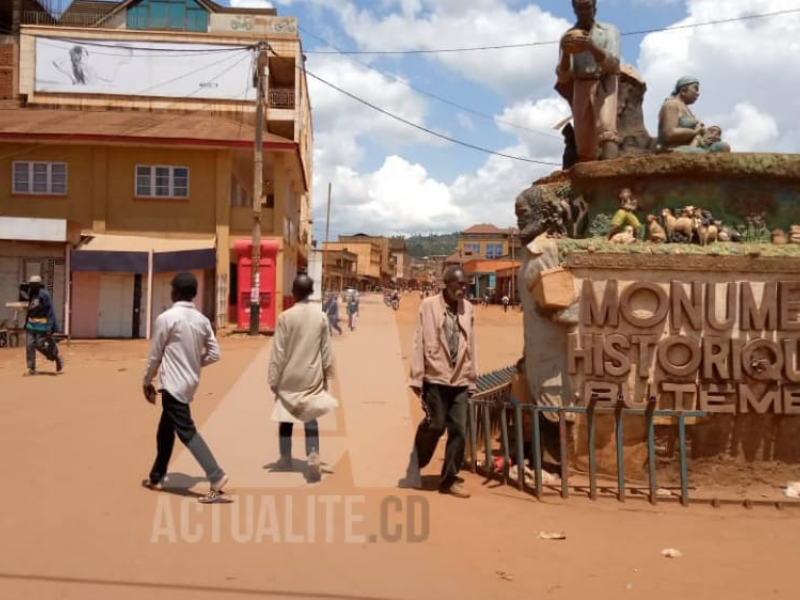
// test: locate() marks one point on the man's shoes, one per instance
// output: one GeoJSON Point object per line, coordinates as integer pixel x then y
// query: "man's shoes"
{"type": "Point", "coordinates": [284, 464]}
{"type": "Point", "coordinates": [314, 467]}
{"type": "Point", "coordinates": [216, 492]}
{"type": "Point", "coordinates": [31, 372]}
{"type": "Point", "coordinates": [59, 364]}
{"type": "Point", "coordinates": [220, 484]}
{"type": "Point", "coordinates": [412, 481]}
{"type": "Point", "coordinates": [455, 489]}
{"type": "Point", "coordinates": [153, 485]}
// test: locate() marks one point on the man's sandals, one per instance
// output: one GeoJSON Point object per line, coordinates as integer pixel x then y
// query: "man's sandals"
{"type": "Point", "coordinates": [214, 495]}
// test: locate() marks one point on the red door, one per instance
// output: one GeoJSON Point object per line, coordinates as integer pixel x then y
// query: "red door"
{"type": "Point", "coordinates": [267, 283]}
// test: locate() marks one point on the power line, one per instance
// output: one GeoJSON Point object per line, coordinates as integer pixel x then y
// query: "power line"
{"type": "Point", "coordinates": [436, 97]}
{"type": "Point", "coordinates": [187, 51]}
{"type": "Point", "coordinates": [555, 42]}
{"type": "Point", "coordinates": [425, 129]}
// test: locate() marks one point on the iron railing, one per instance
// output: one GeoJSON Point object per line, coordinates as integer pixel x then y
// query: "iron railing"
{"type": "Point", "coordinates": [281, 98]}
{"type": "Point", "coordinates": [489, 411]}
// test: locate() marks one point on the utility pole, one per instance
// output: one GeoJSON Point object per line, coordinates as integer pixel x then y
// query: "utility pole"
{"type": "Point", "coordinates": [258, 188]}
{"type": "Point", "coordinates": [513, 265]}
{"type": "Point", "coordinates": [325, 245]}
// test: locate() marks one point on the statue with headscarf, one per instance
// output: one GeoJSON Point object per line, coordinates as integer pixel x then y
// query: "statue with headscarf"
{"type": "Point", "coordinates": [678, 128]}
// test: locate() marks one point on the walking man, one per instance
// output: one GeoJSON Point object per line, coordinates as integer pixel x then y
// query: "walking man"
{"type": "Point", "coordinates": [443, 375]}
{"type": "Point", "coordinates": [40, 325]}
{"type": "Point", "coordinates": [300, 366]}
{"type": "Point", "coordinates": [331, 308]}
{"type": "Point", "coordinates": [183, 343]}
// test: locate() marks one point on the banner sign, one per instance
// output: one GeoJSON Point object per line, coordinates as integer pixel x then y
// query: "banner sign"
{"type": "Point", "coordinates": [141, 68]}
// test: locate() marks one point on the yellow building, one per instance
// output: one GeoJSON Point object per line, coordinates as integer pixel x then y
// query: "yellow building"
{"type": "Point", "coordinates": [484, 241]}
{"type": "Point", "coordinates": [385, 271]}
{"type": "Point", "coordinates": [368, 262]}
{"type": "Point", "coordinates": [137, 127]}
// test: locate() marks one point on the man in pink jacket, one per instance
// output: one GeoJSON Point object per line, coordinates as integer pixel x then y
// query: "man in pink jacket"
{"type": "Point", "coordinates": [443, 375]}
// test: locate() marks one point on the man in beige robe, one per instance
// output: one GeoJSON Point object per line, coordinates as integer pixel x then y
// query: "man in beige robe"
{"type": "Point", "coordinates": [300, 366]}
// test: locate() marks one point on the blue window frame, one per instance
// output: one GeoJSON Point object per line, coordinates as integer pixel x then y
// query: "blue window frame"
{"type": "Point", "coordinates": [181, 15]}
{"type": "Point", "coordinates": [494, 250]}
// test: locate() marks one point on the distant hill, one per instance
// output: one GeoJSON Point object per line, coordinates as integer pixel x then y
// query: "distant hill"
{"type": "Point", "coordinates": [430, 245]}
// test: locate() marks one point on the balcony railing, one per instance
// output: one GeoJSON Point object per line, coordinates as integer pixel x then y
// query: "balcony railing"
{"type": "Point", "coordinates": [281, 98]}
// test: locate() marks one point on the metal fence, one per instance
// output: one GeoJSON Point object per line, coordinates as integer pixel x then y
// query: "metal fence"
{"type": "Point", "coordinates": [489, 412]}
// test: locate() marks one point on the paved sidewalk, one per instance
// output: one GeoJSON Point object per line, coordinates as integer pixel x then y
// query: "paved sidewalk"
{"type": "Point", "coordinates": [372, 428]}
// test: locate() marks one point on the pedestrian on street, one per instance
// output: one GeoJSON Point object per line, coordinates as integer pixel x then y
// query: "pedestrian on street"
{"type": "Point", "coordinates": [443, 375]}
{"type": "Point", "coordinates": [352, 311]}
{"type": "Point", "coordinates": [300, 367]}
{"type": "Point", "coordinates": [331, 308]}
{"type": "Point", "coordinates": [183, 343]}
{"type": "Point", "coordinates": [40, 325]}
{"type": "Point", "coordinates": [505, 302]}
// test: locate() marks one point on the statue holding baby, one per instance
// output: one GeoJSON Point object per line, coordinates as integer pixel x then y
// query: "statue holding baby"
{"type": "Point", "coordinates": [679, 130]}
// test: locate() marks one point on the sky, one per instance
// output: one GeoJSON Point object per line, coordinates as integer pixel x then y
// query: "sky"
{"type": "Point", "coordinates": [391, 178]}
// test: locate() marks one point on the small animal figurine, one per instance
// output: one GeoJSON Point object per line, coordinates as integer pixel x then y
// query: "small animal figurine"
{"type": "Point", "coordinates": [707, 233]}
{"type": "Point", "coordinates": [624, 237]}
{"type": "Point", "coordinates": [673, 224]}
{"type": "Point", "coordinates": [778, 237]}
{"type": "Point", "coordinates": [655, 232]}
{"type": "Point", "coordinates": [794, 234]}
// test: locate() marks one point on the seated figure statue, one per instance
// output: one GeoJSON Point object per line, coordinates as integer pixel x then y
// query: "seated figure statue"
{"type": "Point", "coordinates": [679, 130]}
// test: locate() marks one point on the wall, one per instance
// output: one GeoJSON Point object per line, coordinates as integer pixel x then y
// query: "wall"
{"type": "Point", "coordinates": [76, 205]}
{"type": "Point", "coordinates": [86, 288]}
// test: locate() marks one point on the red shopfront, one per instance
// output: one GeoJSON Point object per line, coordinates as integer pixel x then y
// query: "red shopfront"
{"type": "Point", "coordinates": [267, 283]}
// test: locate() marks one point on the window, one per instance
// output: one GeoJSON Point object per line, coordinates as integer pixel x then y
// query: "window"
{"type": "Point", "coordinates": [182, 15]}
{"type": "Point", "coordinates": [494, 250]}
{"type": "Point", "coordinates": [162, 181]}
{"type": "Point", "coordinates": [472, 248]}
{"type": "Point", "coordinates": [39, 177]}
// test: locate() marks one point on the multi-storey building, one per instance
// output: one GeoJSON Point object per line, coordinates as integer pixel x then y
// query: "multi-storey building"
{"type": "Point", "coordinates": [484, 241]}
{"type": "Point", "coordinates": [127, 153]}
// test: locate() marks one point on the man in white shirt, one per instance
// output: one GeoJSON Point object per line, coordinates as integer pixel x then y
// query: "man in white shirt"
{"type": "Point", "coordinates": [183, 343]}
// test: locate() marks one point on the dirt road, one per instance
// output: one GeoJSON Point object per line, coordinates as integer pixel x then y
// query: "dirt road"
{"type": "Point", "coordinates": [76, 524]}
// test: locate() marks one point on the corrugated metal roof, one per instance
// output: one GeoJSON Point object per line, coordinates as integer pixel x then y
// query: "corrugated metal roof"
{"type": "Point", "coordinates": [74, 125]}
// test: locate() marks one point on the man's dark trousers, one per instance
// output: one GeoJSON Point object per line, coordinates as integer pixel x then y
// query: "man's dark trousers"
{"type": "Point", "coordinates": [445, 409]}
{"type": "Point", "coordinates": [176, 417]}
{"type": "Point", "coordinates": [285, 437]}
{"type": "Point", "coordinates": [35, 340]}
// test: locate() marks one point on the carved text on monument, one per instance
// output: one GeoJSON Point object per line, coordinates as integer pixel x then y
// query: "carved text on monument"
{"type": "Point", "coordinates": [721, 348]}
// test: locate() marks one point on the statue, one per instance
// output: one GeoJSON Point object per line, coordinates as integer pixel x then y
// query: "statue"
{"type": "Point", "coordinates": [625, 218]}
{"type": "Point", "coordinates": [588, 79]}
{"type": "Point", "coordinates": [679, 130]}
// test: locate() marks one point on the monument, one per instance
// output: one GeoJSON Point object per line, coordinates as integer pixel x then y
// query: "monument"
{"type": "Point", "coordinates": [662, 267]}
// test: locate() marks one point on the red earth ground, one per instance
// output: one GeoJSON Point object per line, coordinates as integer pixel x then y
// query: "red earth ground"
{"type": "Point", "coordinates": [75, 523]}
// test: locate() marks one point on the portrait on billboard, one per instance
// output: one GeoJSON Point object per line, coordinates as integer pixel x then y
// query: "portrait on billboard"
{"type": "Point", "coordinates": [143, 68]}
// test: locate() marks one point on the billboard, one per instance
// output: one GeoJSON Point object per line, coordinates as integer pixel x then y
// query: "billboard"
{"type": "Point", "coordinates": [140, 68]}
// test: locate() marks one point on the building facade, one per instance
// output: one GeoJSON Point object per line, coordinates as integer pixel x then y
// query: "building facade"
{"type": "Point", "coordinates": [484, 241]}
{"type": "Point", "coordinates": [134, 123]}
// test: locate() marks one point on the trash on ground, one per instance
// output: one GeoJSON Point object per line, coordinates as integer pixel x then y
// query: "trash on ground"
{"type": "Point", "coordinates": [671, 553]}
{"type": "Point", "coordinates": [559, 535]}
{"type": "Point", "coordinates": [504, 576]}
{"type": "Point", "coordinates": [792, 489]}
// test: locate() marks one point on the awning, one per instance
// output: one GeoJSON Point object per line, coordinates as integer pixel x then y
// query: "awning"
{"type": "Point", "coordinates": [130, 254]}
{"type": "Point", "coordinates": [25, 229]}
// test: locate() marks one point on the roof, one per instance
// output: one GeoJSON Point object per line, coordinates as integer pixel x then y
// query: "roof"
{"type": "Point", "coordinates": [79, 12]}
{"type": "Point", "coordinates": [102, 242]}
{"type": "Point", "coordinates": [156, 128]}
{"type": "Point", "coordinates": [209, 5]}
{"type": "Point", "coordinates": [485, 229]}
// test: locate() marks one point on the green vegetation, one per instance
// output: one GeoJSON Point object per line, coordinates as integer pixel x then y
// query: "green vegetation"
{"type": "Point", "coordinates": [420, 246]}
{"type": "Point", "coordinates": [601, 245]}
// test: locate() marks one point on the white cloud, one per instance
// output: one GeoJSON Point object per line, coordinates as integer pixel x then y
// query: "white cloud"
{"type": "Point", "coordinates": [744, 68]}
{"type": "Point", "coordinates": [251, 4]}
{"type": "Point", "coordinates": [519, 72]}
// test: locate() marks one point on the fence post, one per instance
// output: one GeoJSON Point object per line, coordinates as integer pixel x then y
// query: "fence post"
{"type": "Point", "coordinates": [620, 452]}
{"type": "Point", "coordinates": [520, 446]}
{"type": "Point", "coordinates": [562, 436]}
{"type": "Point", "coordinates": [504, 437]}
{"type": "Point", "coordinates": [684, 468]}
{"type": "Point", "coordinates": [651, 449]}
{"type": "Point", "coordinates": [592, 457]}
{"type": "Point", "coordinates": [537, 452]}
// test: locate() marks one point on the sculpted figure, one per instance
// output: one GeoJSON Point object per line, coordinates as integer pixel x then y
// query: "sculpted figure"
{"type": "Point", "coordinates": [588, 78]}
{"type": "Point", "coordinates": [625, 217]}
{"type": "Point", "coordinates": [679, 130]}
